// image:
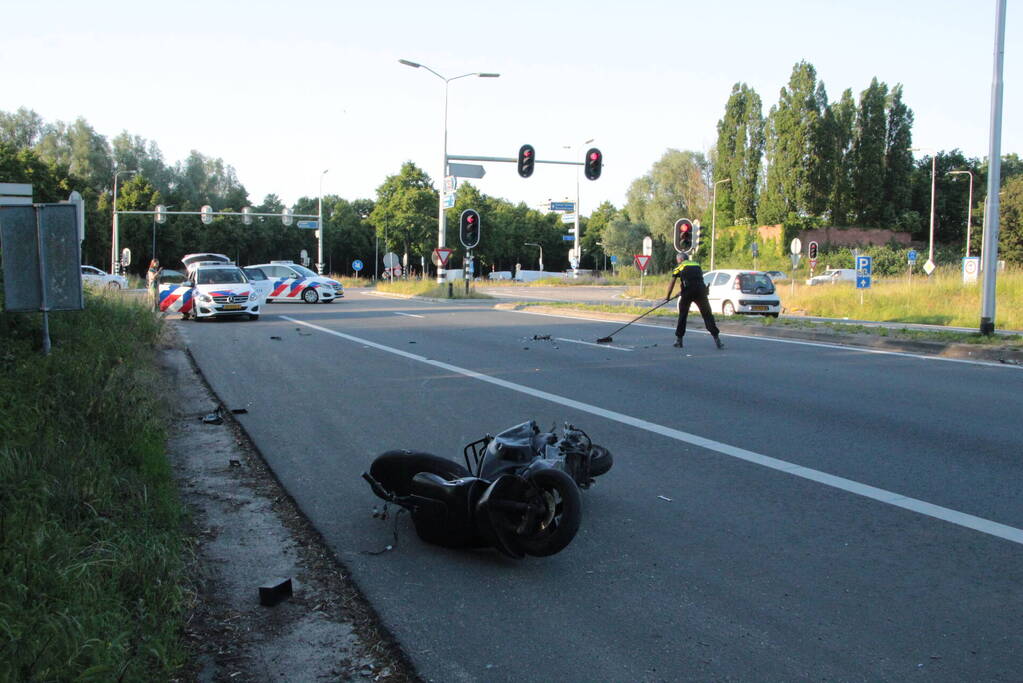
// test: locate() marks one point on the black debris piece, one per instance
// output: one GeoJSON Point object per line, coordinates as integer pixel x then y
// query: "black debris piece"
{"type": "Point", "coordinates": [272, 593]}
{"type": "Point", "coordinates": [541, 337]}
{"type": "Point", "coordinates": [214, 418]}
{"type": "Point", "coordinates": [277, 338]}
{"type": "Point", "coordinates": [239, 411]}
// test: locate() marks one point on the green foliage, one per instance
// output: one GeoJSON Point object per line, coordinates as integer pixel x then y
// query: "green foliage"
{"type": "Point", "coordinates": [740, 146]}
{"type": "Point", "coordinates": [676, 187]}
{"type": "Point", "coordinates": [1010, 235]}
{"type": "Point", "coordinates": [91, 544]}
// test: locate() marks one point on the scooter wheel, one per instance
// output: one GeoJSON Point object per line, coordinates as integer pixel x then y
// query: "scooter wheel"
{"type": "Point", "coordinates": [394, 469]}
{"type": "Point", "coordinates": [556, 493]}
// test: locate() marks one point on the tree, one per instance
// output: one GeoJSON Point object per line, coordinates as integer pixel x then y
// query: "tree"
{"type": "Point", "coordinates": [624, 238]}
{"type": "Point", "coordinates": [593, 235]}
{"type": "Point", "coordinates": [898, 158]}
{"type": "Point", "coordinates": [869, 146]}
{"type": "Point", "coordinates": [676, 187]}
{"type": "Point", "coordinates": [740, 146]}
{"type": "Point", "coordinates": [1010, 228]}
{"type": "Point", "coordinates": [840, 120]}
{"type": "Point", "coordinates": [796, 162]}
{"type": "Point", "coordinates": [405, 214]}
{"type": "Point", "coordinates": [22, 130]}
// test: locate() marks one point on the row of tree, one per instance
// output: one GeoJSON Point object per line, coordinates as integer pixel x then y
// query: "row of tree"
{"type": "Point", "coordinates": [808, 163]}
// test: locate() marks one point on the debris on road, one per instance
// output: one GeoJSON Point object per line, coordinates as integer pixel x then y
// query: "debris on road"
{"type": "Point", "coordinates": [274, 592]}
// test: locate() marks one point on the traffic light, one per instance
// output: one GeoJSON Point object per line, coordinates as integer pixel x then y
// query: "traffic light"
{"type": "Point", "coordinates": [594, 162]}
{"type": "Point", "coordinates": [527, 157]}
{"type": "Point", "coordinates": [812, 251]}
{"type": "Point", "coordinates": [683, 236]}
{"type": "Point", "coordinates": [696, 237]}
{"type": "Point", "coordinates": [469, 228]}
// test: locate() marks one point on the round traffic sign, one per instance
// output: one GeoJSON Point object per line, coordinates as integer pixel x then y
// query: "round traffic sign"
{"type": "Point", "coordinates": [795, 246]}
{"type": "Point", "coordinates": [391, 259]}
{"type": "Point", "coordinates": [356, 265]}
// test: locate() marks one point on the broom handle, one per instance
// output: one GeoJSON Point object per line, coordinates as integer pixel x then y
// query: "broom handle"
{"type": "Point", "coordinates": [645, 314]}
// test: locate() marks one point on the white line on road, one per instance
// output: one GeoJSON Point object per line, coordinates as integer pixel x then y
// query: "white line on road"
{"type": "Point", "coordinates": [599, 346]}
{"type": "Point", "coordinates": [798, 342]}
{"type": "Point", "coordinates": [409, 315]}
{"type": "Point", "coordinates": [962, 519]}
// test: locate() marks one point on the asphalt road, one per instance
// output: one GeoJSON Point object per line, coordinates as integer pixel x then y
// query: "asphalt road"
{"type": "Point", "coordinates": [777, 510]}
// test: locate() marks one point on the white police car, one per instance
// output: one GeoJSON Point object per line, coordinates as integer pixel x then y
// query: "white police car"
{"type": "Point", "coordinates": [94, 277]}
{"type": "Point", "coordinates": [215, 288]}
{"type": "Point", "coordinates": [291, 282]}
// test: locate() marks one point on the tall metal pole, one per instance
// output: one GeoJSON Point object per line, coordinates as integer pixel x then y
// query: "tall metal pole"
{"type": "Point", "coordinates": [116, 234]}
{"type": "Point", "coordinates": [319, 223]}
{"type": "Point", "coordinates": [714, 220]}
{"type": "Point", "coordinates": [969, 209]}
{"type": "Point", "coordinates": [930, 252]}
{"type": "Point", "coordinates": [989, 253]}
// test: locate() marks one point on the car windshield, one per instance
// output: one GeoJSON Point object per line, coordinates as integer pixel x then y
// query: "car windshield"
{"type": "Point", "coordinates": [755, 283]}
{"type": "Point", "coordinates": [219, 276]}
{"type": "Point", "coordinates": [255, 274]}
{"type": "Point", "coordinates": [303, 271]}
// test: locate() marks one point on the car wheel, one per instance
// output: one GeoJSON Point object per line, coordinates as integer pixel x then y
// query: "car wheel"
{"type": "Point", "coordinates": [113, 285]}
{"type": "Point", "coordinates": [773, 315]}
{"type": "Point", "coordinates": [253, 316]}
{"type": "Point", "coordinates": [727, 308]}
{"type": "Point", "coordinates": [310, 296]}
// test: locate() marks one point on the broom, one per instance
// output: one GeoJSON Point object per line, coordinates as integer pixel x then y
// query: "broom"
{"type": "Point", "coordinates": [607, 339]}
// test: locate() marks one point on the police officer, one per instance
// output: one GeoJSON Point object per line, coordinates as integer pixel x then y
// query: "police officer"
{"type": "Point", "coordinates": [690, 277]}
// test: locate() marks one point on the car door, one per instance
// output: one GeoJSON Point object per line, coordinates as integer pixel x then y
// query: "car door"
{"type": "Point", "coordinates": [716, 288]}
{"type": "Point", "coordinates": [259, 281]}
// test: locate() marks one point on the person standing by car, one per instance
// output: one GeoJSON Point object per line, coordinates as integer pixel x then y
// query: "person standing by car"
{"type": "Point", "coordinates": [153, 283]}
{"type": "Point", "coordinates": [690, 277]}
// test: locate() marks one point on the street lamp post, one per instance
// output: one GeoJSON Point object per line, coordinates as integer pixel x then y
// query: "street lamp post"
{"type": "Point", "coordinates": [969, 209]}
{"type": "Point", "coordinates": [116, 234]}
{"type": "Point", "coordinates": [534, 244]}
{"type": "Point", "coordinates": [441, 218]}
{"type": "Point", "coordinates": [934, 159]}
{"type": "Point", "coordinates": [714, 219]}
{"type": "Point", "coordinates": [319, 224]}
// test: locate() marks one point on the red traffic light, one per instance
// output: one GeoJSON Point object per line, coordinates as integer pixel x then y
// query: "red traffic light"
{"type": "Point", "coordinates": [593, 163]}
{"type": "Point", "coordinates": [526, 160]}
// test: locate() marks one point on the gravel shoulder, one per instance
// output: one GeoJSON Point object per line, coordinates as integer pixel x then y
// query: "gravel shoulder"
{"type": "Point", "coordinates": [247, 533]}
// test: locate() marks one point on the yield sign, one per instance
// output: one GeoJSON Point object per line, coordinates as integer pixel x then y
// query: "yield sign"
{"type": "Point", "coordinates": [641, 261]}
{"type": "Point", "coordinates": [441, 256]}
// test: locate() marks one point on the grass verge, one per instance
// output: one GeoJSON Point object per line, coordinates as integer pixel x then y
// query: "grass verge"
{"type": "Point", "coordinates": [91, 538]}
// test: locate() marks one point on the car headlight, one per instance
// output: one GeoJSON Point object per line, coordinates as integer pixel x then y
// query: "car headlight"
{"type": "Point", "coordinates": [205, 298]}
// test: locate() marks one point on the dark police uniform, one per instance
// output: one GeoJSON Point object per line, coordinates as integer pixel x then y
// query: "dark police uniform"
{"type": "Point", "coordinates": [690, 277]}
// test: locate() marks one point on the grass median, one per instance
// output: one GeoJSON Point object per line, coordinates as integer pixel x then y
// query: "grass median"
{"type": "Point", "coordinates": [91, 537]}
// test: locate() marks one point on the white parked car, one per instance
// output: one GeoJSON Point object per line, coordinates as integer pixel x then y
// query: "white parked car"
{"type": "Point", "coordinates": [215, 288]}
{"type": "Point", "coordinates": [94, 277]}
{"type": "Point", "coordinates": [833, 275]}
{"type": "Point", "coordinates": [732, 292]}
{"type": "Point", "coordinates": [291, 282]}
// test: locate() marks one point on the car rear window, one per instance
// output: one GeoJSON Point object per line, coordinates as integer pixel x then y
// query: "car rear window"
{"type": "Point", "coordinates": [755, 283]}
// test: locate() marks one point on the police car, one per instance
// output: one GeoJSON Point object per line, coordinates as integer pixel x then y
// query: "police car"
{"type": "Point", "coordinates": [291, 282]}
{"type": "Point", "coordinates": [215, 288]}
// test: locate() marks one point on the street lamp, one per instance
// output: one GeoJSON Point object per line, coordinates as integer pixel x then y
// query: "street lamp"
{"type": "Point", "coordinates": [714, 219]}
{"type": "Point", "coordinates": [441, 219]}
{"type": "Point", "coordinates": [115, 236]}
{"type": "Point", "coordinates": [577, 248]}
{"type": "Point", "coordinates": [934, 158]}
{"type": "Point", "coordinates": [534, 244]}
{"type": "Point", "coordinates": [969, 209]}
{"type": "Point", "coordinates": [319, 223]}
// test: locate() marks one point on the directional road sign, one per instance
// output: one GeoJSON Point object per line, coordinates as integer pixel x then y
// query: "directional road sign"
{"type": "Point", "coordinates": [309, 225]}
{"type": "Point", "coordinates": [911, 256]}
{"type": "Point", "coordinates": [467, 170]}
{"type": "Point", "coordinates": [449, 201]}
{"type": "Point", "coordinates": [562, 206]}
{"type": "Point", "coordinates": [568, 238]}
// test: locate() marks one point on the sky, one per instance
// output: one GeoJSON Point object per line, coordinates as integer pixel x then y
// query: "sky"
{"type": "Point", "coordinates": [283, 91]}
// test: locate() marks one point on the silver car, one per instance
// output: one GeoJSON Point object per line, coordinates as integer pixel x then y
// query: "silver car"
{"type": "Point", "coordinates": [748, 292]}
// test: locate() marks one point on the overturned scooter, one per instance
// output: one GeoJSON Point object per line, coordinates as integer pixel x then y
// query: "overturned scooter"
{"type": "Point", "coordinates": [518, 491]}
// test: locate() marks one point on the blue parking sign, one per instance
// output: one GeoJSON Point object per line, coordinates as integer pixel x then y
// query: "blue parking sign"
{"type": "Point", "coordinates": [864, 269]}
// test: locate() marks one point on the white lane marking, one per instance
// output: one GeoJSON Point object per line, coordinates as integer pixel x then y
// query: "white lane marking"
{"type": "Point", "coordinates": [599, 346]}
{"type": "Point", "coordinates": [797, 342]}
{"type": "Point", "coordinates": [409, 315]}
{"type": "Point", "coordinates": [984, 526]}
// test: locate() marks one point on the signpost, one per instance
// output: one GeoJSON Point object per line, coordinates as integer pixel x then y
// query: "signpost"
{"type": "Point", "coordinates": [308, 225]}
{"type": "Point", "coordinates": [641, 261]}
{"type": "Point", "coordinates": [357, 266]}
{"type": "Point", "coordinates": [562, 206]}
{"type": "Point", "coordinates": [864, 270]}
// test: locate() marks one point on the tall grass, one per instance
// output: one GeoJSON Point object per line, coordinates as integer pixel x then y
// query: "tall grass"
{"type": "Point", "coordinates": [942, 299]}
{"type": "Point", "coordinates": [90, 525]}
